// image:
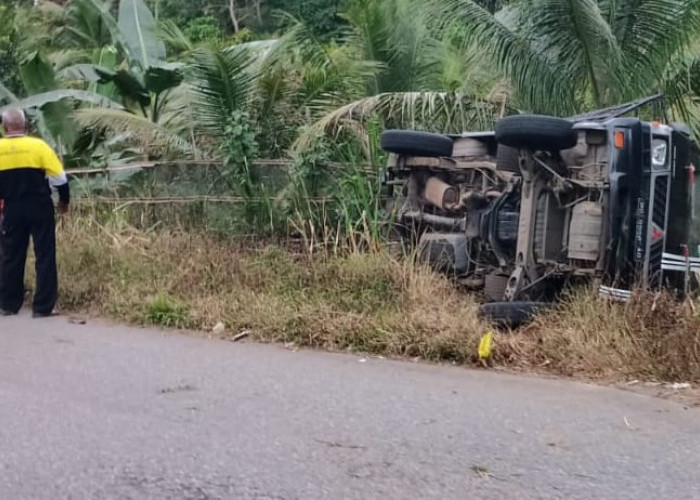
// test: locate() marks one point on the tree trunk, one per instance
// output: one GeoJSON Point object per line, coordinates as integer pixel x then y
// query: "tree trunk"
{"type": "Point", "coordinates": [232, 13]}
{"type": "Point", "coordinates": [258, 10]}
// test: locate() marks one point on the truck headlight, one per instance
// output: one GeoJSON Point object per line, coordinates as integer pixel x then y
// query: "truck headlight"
{"type": "Point", "coordinates": [659, 152]}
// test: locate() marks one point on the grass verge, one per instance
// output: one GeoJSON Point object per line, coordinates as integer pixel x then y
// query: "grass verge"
{"type": "Point", "coordinates": [367, 302]}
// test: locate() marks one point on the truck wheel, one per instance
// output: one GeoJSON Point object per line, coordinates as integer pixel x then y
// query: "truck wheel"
{"type": "Point", "coordinates": [536, 133]}
{"type": "Point", "coordinates": [507, 159]}
{"type": "Point", "coordinates": [409, 143]}
{"type": "Point", "coordinates": [511, 314]}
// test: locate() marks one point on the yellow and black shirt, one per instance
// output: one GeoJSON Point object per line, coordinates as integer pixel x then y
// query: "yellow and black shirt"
{"type": "Point", "coordinates": [28, 167]}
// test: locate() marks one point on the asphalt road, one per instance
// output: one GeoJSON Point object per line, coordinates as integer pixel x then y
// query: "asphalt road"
{"type": "Point", "coordinates": [103, 412]}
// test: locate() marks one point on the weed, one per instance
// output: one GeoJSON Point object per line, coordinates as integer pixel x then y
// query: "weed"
{"type": "Point", "coordinates": [167, 312]}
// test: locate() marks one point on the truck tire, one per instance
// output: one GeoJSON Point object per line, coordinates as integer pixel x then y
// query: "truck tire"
{"type": "Point", "coordinates": [507, 159]}
{"type": "Point", "coordinates": [511, 314]}
{"type": "Point", "coordinates": [409, 143]}
{"type": "Point", "coordinates": [536, 133]}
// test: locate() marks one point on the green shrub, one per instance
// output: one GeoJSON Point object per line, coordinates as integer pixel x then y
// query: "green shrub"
{"type": "Point", "coordinates": [165, 311]}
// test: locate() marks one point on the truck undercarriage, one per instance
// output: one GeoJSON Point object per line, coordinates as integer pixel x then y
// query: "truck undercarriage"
{"type": "Point", "coordinates": [541, 202]}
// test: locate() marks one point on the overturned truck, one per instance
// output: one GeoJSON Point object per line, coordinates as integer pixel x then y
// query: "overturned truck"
{"type": "Point", "coordinates": [542, 203]}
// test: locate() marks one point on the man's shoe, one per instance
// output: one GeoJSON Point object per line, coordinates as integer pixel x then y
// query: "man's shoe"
{"type": "Point", "coordinates": [6, 312]}
{"type": "Point", "coordinates": [37, 315]}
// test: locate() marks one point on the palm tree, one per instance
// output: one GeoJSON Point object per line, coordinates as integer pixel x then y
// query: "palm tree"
{"type": "Point", "coordinates": [414, 74]}
{"type": "Point", "coordinates": [221, 84]}
{"type": "Point", "coordinates": [565, 56]}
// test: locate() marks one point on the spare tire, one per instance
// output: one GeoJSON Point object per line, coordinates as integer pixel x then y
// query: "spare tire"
{"type": "Point", "coordinates": [409, 143]}
{"type": "Point", "coordinates": [511, 314]}
{"type": "Point", "coordinates": [507, 159]}
{"type": "Point", "coordinates": [536, 133]}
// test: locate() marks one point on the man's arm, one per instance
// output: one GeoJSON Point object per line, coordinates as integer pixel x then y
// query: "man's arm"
{"type": "Point", "coordinates": [57, 176]}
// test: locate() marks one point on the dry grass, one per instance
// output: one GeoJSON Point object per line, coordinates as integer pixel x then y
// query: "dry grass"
{"type": "Point", "coordinates": [361, 302]}
{"type": "Point", "coordinates": [652, 337]}
{"type": "Point", "coordinates": [365, 302]}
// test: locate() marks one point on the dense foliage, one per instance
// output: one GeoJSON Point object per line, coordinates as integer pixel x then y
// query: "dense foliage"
{"type": "Point", "coordinates": [315, 81]}
{"type": "Point", "coordinates": [9, 63]}
{"type": "Point", "coordinates": [259, 16]}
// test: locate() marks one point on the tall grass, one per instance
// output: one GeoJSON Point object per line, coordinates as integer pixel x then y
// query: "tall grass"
{"type": "Point", "coordinates": [360, 301]}
{"type": "Point", "coordinates": [367, 302]}
{"type": "Point", "coordinates": [325, 203]}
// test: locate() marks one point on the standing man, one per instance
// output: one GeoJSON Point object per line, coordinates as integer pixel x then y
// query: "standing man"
{"type": "Point", "coordinates": [28, 169]}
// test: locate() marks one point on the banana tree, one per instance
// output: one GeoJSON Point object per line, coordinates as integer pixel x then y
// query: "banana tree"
{"type": "Point", "coordinates": [51, 105]}
{"type": "Point", "coordinates": [148, 87]}
{"type": "Point", "coordinates": [131, 88]}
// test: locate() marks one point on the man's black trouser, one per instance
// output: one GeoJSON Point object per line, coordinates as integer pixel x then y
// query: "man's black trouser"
{"type": "Point", "coordinates": [24, 218]}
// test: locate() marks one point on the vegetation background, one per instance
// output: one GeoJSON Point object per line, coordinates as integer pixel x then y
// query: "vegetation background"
{"type": "Point", "coordinates": [188, 124]}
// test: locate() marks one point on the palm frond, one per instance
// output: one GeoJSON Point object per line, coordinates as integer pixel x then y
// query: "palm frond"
{"type": "Point", "coordinates": [577, 38]}
{"type": "Point", "coordinates": [63, 58]}
{"type": "Point", "coordinates": [681, 86]}
{"type": "Point", "coordinates": [399, 38]}
{"type": "Point", "coordinates": [415, 60]}
{"type": "Point", "coordinates": [313, 77]}
{"type": "Point", "coordinates": [177, 113]}
{"type": "Point", "coordinates": [170, 33]}
{"type": "Point", "coordinates": [340, 79]}
{"type": "Point", "coordinates": [151, 136]}
{"type": "Point", "coordinates": [221, 83]}
{"type": "Point", "coordinates": [446, 112]}
{"type": "Point", "coordinates": [369, 33]}
{"type": "Point", "coordinates": [651, 31]}
{"type": "Point", "coordinates": [540, 86]}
